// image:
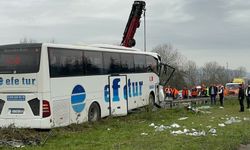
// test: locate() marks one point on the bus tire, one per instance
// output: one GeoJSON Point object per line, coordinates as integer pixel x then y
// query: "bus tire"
{"type": "Point", "coordinates": [152, 102]}
{"type": "Point", "coordinates": [94, 113]}
{"type": "Point", "coordinates": [151, 99]}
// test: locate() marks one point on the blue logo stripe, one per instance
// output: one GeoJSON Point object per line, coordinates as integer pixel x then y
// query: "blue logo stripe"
{"type": "Point", "coordinates": [77, 98]}
{"type": "Point", "coordinates": [78, 108]}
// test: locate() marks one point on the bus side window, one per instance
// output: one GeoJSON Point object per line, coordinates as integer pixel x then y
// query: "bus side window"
{"type": "Point", "coordinates": [93, 63]}
{"type": "Point", "coordinates": [151, 63]}
{"type": "Point", "coordinates": [111, 63]}
{"type": "Point", "coordinates": [140, 63]}
{"type": "Point", "coordinates": [127, 63]}
{"type": "Point", "coordinates": [65, 62]}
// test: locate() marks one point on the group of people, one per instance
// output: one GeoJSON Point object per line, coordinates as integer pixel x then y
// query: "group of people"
{"type": "Point", "coordinates": [204, 91]}
{"type": "Point", "coordinates": [214, 91]}
{"type": "Point", "coordinates": [211, 91]}
{"type": "Point", "coordinates": [244, 92]}
{"type": "Point", "coordinates": [171, 92]}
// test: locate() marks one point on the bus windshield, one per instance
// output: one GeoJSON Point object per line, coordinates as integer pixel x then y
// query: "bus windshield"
{"type": "Point", "coordinates": [232, 86]}
{"type": "Point", "coordinates": [19, 60]}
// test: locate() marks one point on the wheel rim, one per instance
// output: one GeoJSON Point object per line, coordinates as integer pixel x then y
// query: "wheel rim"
{"type": "Point", "coordinates": [151, 99]}
{"type": "Point", "coordinates": [93, 113]}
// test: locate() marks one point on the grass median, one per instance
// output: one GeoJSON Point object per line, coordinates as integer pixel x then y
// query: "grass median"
{"type": "Point", "coordinates": [155, 130]}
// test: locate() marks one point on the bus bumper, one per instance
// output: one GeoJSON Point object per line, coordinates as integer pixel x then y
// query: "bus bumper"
{"type": "Point", "coordinates": [44, 123]}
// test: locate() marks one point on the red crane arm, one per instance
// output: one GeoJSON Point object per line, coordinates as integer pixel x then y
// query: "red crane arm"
{"type": "Point", "coordinates": [133, 23]}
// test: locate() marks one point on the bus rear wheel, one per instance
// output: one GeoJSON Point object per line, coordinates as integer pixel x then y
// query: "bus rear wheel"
{"type": "Point", "coordinates": [94, 112]}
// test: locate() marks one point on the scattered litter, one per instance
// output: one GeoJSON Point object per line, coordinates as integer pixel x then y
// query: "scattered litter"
{"type": "Point", "coordinates": [185, 130]}
{"type": "Point", "coordinates": [175, 125]}
{"type": "Point", "coordinates": [143, 133]}
{"type": "Point", "coordinates": [193, 132]}
{"type": "Point", "coordinates": [221, 107]}
{"type": "Point", "coordinates": [108, 129]}
{"type": "Point", "coordinates": [183, 118]}
{"type": "Point", "coordinates": [212, 131]}
{"type": "Point", "coordinates": [152, 125]}
{"type": "Point", "coordinates": [204, 107]}
{"type": "Point", "coordinates": [209, 126]}
{"type": "Point", "coordinates": [160, 128]}
{"type": "Point", "coordinates": [232, 120]}
{"type": "Point", "coordinates": [246, 119]}
{"type": "Point", "coordinates": [13, 143]}
{"type": "Point", "coordinates": [176, 132]}
{"type": "Point", "coordinates": [221, 125]}
{"type": "Point", "coordinates": [18, 143]}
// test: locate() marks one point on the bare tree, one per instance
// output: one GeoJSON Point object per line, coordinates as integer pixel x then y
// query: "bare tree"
{"type": "Point", "coordinates": [172, 57]}
{"type": "Point", "coordinates": [26, 40]}
{"type": "Point", "coordinates": [240, 72]}
{"type": "Point", "coordinates": [191, 73]}
{"type": "Point", "coordinates": [169, 54]}
{"type": "Point", "coordinates": [213, 73]}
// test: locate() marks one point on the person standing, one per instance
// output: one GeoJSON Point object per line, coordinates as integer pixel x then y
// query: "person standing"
{"type": "Point", "coordinates": [185, 93]}
{"type": "Point", "coordinates": [168, 92]}
{"type": "Point", "coordinates": [248, 96]}
{"type": "Point", "coordinates": [241, 97]}
{"type": "Point", "coordinates": [213, 92]}
{"type": "Point", "coordinates": [175, 93]}
{"type": "Point", "coordinates": [221, 95]}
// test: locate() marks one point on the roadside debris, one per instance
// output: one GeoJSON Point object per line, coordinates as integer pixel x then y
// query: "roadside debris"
{"type": "Point", "coordinates": [183, 118]}
{"type": "Point", "coordinates": [175, 125]}
{"type": "Point", "coordinates": [202, 109]}
{"type": "Point", "coordinates": [232, 120]}
{"type": "Point", "coordinates": [221, 125]}
{"type": "Point", "coordinates": [161, 128]}
{"type": "Point", "coordinates": [152, 125]}
{"type": "Point", "coordinates": [143, 133]}
{"type": "Point", "coordinates": [246, 119]}
{"type": "Point", "coordinates": [192, 132]}
{"type": "Point", "coordinates": [212, 131]}
{"type": "Point", "coordinates": [19, 138]}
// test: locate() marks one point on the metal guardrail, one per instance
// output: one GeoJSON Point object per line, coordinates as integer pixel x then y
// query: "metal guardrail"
{"type": "Point", "coordinates": [193, 101]}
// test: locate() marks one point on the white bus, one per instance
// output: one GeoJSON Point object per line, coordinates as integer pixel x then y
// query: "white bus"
{"type": "Point", "coordinates": [46, 85]}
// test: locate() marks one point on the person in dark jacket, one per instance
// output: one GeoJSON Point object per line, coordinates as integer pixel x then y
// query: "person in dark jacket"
{"type": "Point", "coordinates": [248, 96]}
{"type": "Point", "coordinates": [241, 97]}
{"type": "Point", "coordinates": [213, 92]}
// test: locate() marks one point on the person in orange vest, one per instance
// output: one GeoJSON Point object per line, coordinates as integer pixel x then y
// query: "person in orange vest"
{"type": "Point", "coordinates": [185, 93]}
{"type": "Point", "coordinates": [175, 92]}
{"type": "Point", "coordinates": [168, 92]}
{"type": "Point", "coordinates": [194, 92]}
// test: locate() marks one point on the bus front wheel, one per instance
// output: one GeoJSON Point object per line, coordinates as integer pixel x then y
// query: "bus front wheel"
{"type": "Point", "coordinates": [94, 112]}
{"type": "Point", "coordinates": [151, 100]}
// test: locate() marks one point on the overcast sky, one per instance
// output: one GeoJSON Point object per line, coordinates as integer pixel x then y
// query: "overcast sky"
{"type": "Point", "coordinates": [201, 30]}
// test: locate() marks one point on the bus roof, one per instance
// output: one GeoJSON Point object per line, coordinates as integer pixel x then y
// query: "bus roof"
{"type": "Point", "coordinates": [20, 45]}
{"type": "Point", "coordinates": [94, 47]}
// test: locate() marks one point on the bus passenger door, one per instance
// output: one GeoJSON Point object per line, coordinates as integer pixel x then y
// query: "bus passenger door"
{"type": "Point", "coordinates": [165, 74]}
{"type": "Point", "coordinates": [118, 102]}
